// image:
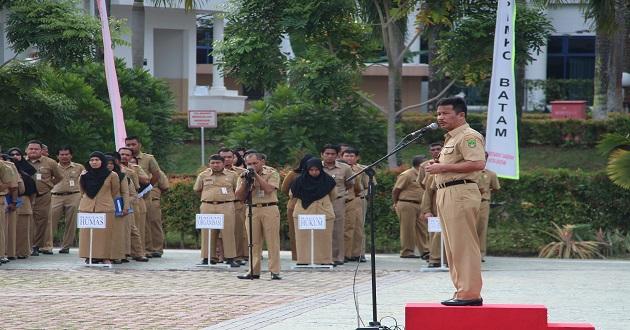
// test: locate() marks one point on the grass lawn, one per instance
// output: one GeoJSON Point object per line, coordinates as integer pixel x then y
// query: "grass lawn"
{"type": "Point", "coordinates": [187, 158]}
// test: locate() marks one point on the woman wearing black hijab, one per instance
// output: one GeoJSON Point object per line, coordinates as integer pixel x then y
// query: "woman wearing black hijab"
{"type": "Point", "coordinates": [314, 191]}
{"type": "Point", "coordinates": [25, 211]}
{"type": "Point", "coordinates": [286, 184]}
{"type": "Point", "coordinates": [100, 187]}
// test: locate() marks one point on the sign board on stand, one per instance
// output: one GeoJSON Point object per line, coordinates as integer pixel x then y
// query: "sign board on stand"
{"type": "Point", "coordinates": [209, 222]}
{"type": "Point", "coordinates": [312, 222]}
{"type": "Point", "coordinates": [434, 226]}
{"type": "Point", "coordinates": [92, 221]}
{"type": "Point", "coordinates": [202, 119]}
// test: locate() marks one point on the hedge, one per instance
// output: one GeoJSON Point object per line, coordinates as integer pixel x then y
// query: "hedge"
{"type": "Point", "coordinates": [535, 129]}
{"type": "Point", "coordinates": [523, 213]}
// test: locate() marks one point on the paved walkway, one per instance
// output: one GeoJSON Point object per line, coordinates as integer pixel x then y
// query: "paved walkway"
{"type": "Point", "coordinates": [60, 292]}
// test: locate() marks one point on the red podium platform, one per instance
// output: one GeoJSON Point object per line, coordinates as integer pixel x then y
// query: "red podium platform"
{"type": "Point", "coordinates": [488, 317]}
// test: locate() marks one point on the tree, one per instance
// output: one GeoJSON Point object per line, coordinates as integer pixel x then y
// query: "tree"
{"type": "Point", "coordinates": [617, 148]}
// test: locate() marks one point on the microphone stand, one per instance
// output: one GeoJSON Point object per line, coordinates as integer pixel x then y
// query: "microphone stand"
{"type": "Point", "coordinates": [250, 183]}
{"type": "Point", "coordinates": [370, 172]}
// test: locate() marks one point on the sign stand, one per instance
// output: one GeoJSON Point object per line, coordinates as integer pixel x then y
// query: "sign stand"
{"type": "Point", "coordinates": [91, 221]}
{"type": "Point", "coordinates": [209, 222]}
{"type": "Point", "coordinates": [312, 222]}
{"type": "Point", "coordinates": [435, 227]}
{"type": "Point", "coordinates": [202, 119]}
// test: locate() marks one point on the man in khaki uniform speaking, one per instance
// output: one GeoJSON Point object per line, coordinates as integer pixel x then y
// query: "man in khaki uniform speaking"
{"type": "Point", "coordinates": [407, 197]}
{"type": "Point", "coordinates": [216, 186]}
{"type": "Point", "coordinates": [458, 199]}
{"type": "Point", "coordinates": [65, 199]}
{"type": "Point", "coordinates": [265, 213]}
{"type": "Point", "coordinates": [154, 234]}
{"type": "Point", "coordinates": [340, 172]}
{"type": "Point", "coordinates": [488, 182]}
{"type": "Point", "coordinates": [47, 176]}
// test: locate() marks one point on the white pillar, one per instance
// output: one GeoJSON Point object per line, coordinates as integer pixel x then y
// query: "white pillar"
{"type": "Point", "coordinates": [411, 31]}
{"type": "Point", "coordinates": [218, 84]}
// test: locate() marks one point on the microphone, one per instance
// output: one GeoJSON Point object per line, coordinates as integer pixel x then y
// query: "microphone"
{"type": "Point", "coordinates": [430, 127]}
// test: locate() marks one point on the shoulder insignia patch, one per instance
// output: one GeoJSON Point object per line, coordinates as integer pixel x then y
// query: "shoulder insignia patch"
{"type": "Point", "coordinates": [471, 143]}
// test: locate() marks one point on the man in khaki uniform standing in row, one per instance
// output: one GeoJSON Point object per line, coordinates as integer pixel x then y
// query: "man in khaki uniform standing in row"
{"type": "Point", "coordinates": [265, 214]}
{"type": "Point", "coordinates": [340, 172]}
{"type": "Point", "coordinates": [137, 220]}
{"type": "Point", "coordinates": [458, 199]}
{"type": "Point", "coordinates": [216, 187]}
{"type": "Point", "coordinates": [240, 232]}
{"type": "Point", "coordinates": [429, 206]}
{"type": "Point", "coordinates": [488, 182]}
{"type": "Point", "coordinates": [65, 199]}
{"type": "Point", "coordinates": [154, 234]}
{"type": "Point", "coordinates": [407, 197]}
{"type": "Point", "coordinates": [47, 176]}
{"type": "Point", "coordinates": [354, 206]}
{"type": "Point", "coordinates": [8, 187]}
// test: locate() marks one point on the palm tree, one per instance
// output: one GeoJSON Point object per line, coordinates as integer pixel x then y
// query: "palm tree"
{"type": "Point", "coordinates": [617, 148]}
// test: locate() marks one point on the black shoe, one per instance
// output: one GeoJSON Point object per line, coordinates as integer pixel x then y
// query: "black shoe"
{"type": "Point", "coordinates": [49, 252]}
{"type": "Point", "coordinates": [301, 264]}
{"type": "Point", "coordinates": [434, 265]}
{"type": "Point", "coordinates": [463, 302]}
{"type": "Point", "coordinates": [64, 250]}
{"type": "Point", "coordinates": [22, 257]}
{"type": "Point", "coordinates": [124, 260]}
{"type": "Point", "coordinates": [156, 254]}
{"type": "Point", "coordinates": [204, 261]}
{"type": "Point", "coordinates": [425, 256]}
{"type": "Point", "coordinates": [362, 259]}
{"type": "Point", "coordinates": [275, 276]}
{"type": "Point", "coordinates": [338, 263]}
{"type": "Point", "coordinates": [4, 260]}
{"type": "Point", "coordinates": [117, 262]}
{"type": "Point", "coordinates": [248, 277]}
{"type": "Point", "coordinates": [243, 262]}
{"type": "Point", "coordinates": [483, 260]}
{"type": "Point", "coordinates": [11, 258]}
{"type": "Point", "coordinates": [35, 251]}
{"type": "Point", "coordinates": [148, 255]}
{"type": "Point", "coordinates": [411, 256]}
{"type": "Point", "coordinates": [232, 263]}
{"type": "Point", "coordinates": [212, 262]}
{"type": "Point", "coordinates": [141, 259]}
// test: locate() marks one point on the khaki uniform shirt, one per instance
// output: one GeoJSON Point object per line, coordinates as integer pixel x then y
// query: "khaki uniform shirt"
{"type": "Point", "coordinates": [148, 163]}
{"type": "Point", "coordinates": [70, 181]}
{"type": "Point", "coordinates": [461, 144]}
{"type": "Point", "coordinates": [259, 196]}
{"type": "Point", "coordinates": [8, 179]}
{"type": "Point", "coordinates": [216, 186]}
{"type": "Point", "coordinates": [410, 189]}
{"type": "Point", "coordinates": [340, 172]}
{"type": "Point", "coordinates": [48, 174]}
{"type": "Point", "coordinates": [488, 182]}
{"type": "Point", "coordinates": [104, 199]}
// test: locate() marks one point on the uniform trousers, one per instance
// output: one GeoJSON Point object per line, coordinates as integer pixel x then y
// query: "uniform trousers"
{"type": "Point", "coordinates": [354, 213]}
{"type": "Point", "coordinates": [155, 233]}
{"type": "Point", "coordinates": [68, 206]}
{"type": "Point", "coordinates": [434, 248]}
{"type": "Point", "coordinates": [411, 235]}
{"type": "Point", "coordinates": [291, 223]}
{"type": "Point", "coordinates": [240, 233]}
{"type": "Point", "coordinates": [358, 244]}
{"type": "Point", "coordinates": [10, 233]}
{"type": "Point", "coordinates": [227, 233]}
{"type": "Point", "coordinates": [3, 224]}
{"type": "Point", "coordinates": [265, 226]}
{"type": "Point", "coordinates": [338, 251]}
{"type": "Point", "coordinates": [23, 228]}
{"type": "Point", "coordinates": [41, 220]}
{"type": "Point", "coordinates": [140, 218]}
{"type": "Point", "coordinates": [482, 226]}
{"type": "Point", "coordinates": [458, 209]}
{"type": "Point", "coordinates": [136, 243]}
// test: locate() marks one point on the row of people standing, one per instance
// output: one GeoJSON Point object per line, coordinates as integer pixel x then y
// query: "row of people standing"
{"type": "Point", "coordinates": [53, 190]}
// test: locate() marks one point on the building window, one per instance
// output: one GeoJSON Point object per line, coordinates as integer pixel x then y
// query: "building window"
{"type": "Point", "coordinates": [204, 45]}
{"type": "Point", "coordinates": [571, 57]}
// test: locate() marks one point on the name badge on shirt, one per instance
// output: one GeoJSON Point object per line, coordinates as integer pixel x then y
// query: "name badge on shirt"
{"type": "Point", "coordinates": [224, 190]}
{"type": "Point", "coordinates": [71, 183]}
{"type": "Point", "coordinates": [38, 176]}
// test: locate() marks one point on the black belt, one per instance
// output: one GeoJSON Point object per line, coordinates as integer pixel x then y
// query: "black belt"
{"type": "Point", "coordinates": [215, 203]}
{"type": "Point", "coordinates": [454, 183]}
{"type": "Point", "coordinates": [362, 197]}
{"type": "Point", "coordinates": [339, 197]}
{"type": "Point", "coordinates": [66, 193]}
{"type": "Point", "coordinates": [40, 195]}
{"type": "Point", "coordinates": [349, 200]}
{"type": "Point", "coordinates": [408, 201]}
{"type": "Point", "coordinates": [485, 200]}
{"type": "Point", "coordinates": [264, 204]}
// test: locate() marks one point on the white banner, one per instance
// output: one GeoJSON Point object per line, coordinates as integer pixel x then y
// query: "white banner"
{"type": "Point", "coordinates": [209, 221]}
{"type": "Point", "coordinates": [501, 131]}
{"type": "Point", "coordinates": [312, 221]}
{"type": "Point", "coordinates": [433, 224]}
{"type": "Point", "coordinates": [91, 220]}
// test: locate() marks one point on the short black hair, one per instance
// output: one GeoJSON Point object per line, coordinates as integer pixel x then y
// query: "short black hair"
{"type": "Point", "coordinates": [133, 137]}
{"type": "Point", "coordinates": [435, 144]}
{"type": "Point", "coordinates": [458, 104]}
{"type": "Point", "coordinates": [113, 154]}
{"type": "Point", "coordinates": [125, 148]}
{"type": "Point", "coordinates": [258, 155]}
{"type": "Point", "coordinates": [41, 145]}
{"type": "Point", "coordinates": [262, 156]}
{"type": "Point", "coordinates": [225, 150]}
{"type": "Point", "coordinates": [417, 160]}
{"type": "Point", "coordinates": [351, 150]}
{"type": "Point", "coordinates": [65, 148]}
{"type": "Point", "coordinates": [216, 157]}
{"type": "Point", "coordinates": [330, 146]}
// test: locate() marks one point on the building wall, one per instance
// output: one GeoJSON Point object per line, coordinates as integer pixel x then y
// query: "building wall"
{"type": "Point", "coordinates": [376, 88]}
